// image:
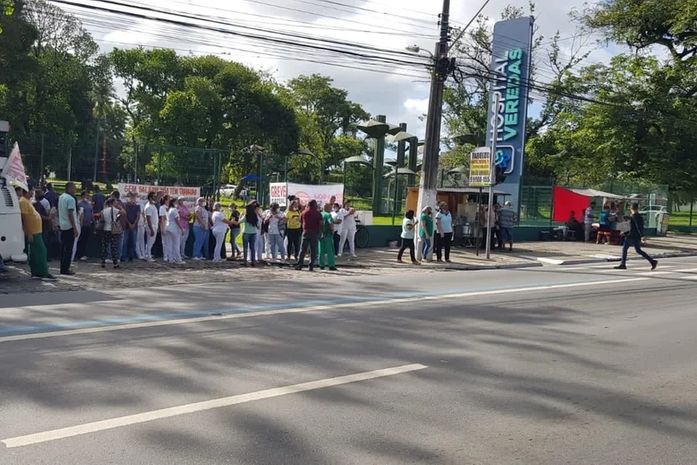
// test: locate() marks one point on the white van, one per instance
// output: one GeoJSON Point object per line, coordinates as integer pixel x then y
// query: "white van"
{"type": "Point", "coordinates": [11, 233]}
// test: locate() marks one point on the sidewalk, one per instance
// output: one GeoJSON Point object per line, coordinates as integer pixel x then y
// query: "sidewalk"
{"type": "Point", "coordinates": [90, 276]}
{"type": "Point", "coordinates": [531, 254]}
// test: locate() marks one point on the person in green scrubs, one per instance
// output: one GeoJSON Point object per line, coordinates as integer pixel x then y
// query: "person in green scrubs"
{"type": "Point", "coordinates": [326, 242]}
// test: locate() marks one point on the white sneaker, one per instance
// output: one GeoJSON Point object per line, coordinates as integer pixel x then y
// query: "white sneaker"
{"type": "Point", "coordinates": [354, 255]}
{"type": "Point", "coordinates": [150, 260]}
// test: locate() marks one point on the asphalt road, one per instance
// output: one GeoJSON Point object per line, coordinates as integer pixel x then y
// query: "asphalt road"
{"type": "Point", "coordinates": [552, 365]}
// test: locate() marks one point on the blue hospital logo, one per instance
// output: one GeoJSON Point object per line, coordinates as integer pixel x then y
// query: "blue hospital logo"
{"type": "Point", "coordinates": [505, 157]}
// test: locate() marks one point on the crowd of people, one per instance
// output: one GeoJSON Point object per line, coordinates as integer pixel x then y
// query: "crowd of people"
{"type": "Point", "coordinates": [62, 226]}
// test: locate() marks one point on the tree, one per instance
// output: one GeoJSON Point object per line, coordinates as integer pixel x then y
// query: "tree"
{"type": "Point", "coordinates": [324, 114]}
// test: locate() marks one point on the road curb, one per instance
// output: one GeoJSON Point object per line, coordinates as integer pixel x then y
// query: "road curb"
{"type": "Point", "coordinates": [585, 261]}
{"type": "Point", "coordinates": [452, 267]}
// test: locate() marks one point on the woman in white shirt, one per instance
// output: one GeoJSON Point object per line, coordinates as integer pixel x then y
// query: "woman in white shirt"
{"type": "Point", "coordinates": [140, 233]}
{"type": "Point", "coordinates": [110, 241]}
{"type": "Point", "coordinates": [162, 212]}
{"type": "Point", "coordinates": [152, 225]}
{"type": "Point", "coordinates": [275, 219]}
{"type": "Point", "coordinates": [348, 229]}
{"type": "Point", "coordinates": [173, 234]}
{"type": "Point", "coordinates": [219, 230]}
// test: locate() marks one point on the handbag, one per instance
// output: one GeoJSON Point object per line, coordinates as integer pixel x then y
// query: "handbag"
{"type": "Point", "coordinates": [116, 227]}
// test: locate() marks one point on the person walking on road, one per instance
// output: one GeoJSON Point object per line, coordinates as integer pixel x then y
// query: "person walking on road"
{"type": "Point", "coordinates": [326, 243]}
{"type": "Point", "coordinates": [633, 238]}
{"type": "Point", "coordinates": [67, 222]}
{"type": "Point", "coordinates": [311, 221]}
{"type": "Point", "coordinates": [407, 236]}
{"type": "Point", "coordinates": [444, 232]}
{"type": "Point", "coordinates": [426, 232]}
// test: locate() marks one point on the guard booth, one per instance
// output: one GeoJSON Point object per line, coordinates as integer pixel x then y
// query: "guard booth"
{"type": "Point", "coordinates": [464, 204]}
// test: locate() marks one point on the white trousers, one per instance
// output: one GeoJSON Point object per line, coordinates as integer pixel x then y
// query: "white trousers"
{"type": "Point", "coordinates": [261, 245]}
{"type": "Point", "coordinates": [171, 245]}
{"type": "Point", "coordinates": [140, 241]}
{"type": "Point", "coordinates": [219, 235]}
{"type": "Point", "coordinates": [348, 234]}
{"type": "Point", "coordinates": [149, 245]}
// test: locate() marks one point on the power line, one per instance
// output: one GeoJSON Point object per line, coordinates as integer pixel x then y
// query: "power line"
{"type": "Point", "coordinates": [177, 22]}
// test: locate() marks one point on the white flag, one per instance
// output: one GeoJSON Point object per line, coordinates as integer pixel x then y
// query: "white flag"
{"type": "Point", "coordinates": [14, 169]}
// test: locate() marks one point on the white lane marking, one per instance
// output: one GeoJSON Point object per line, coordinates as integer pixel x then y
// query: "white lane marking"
{"type": "Point", "coordinates": [152, 415]}
{"type": "Point", "coordinates": [687, 270]}
{"type": "Point", "coordinates": [283, 311]}
{"type": "Point", "coordinates": [655, 273]}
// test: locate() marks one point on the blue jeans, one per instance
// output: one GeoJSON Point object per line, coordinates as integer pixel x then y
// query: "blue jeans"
{"type": "Point", "coordinates": [276, 246]}
{"type": "Point", "coordinates": [425, 246]}
{"type": "Point", "coordinates": [200, 242]}
{"type": "Point", "coordinates": [249, 246]}
{"type": "Point", "coordinates": [234, 233]}
{"type": "Point", "coordinates": [128, 250]}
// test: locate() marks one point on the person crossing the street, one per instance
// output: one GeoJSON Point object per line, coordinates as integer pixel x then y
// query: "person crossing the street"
{"type": "Point", "coordinates": [633, 238]}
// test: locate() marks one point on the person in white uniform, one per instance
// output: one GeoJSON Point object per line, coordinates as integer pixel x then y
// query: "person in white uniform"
{"type": "Point", "coordinates": [348, 230]}
{"type": "Point", "coordinates": [152, 221]}
{"type": "Point", "coordinates": [173, 234]}
{"type": "Point", "coordinates": [219, 230]}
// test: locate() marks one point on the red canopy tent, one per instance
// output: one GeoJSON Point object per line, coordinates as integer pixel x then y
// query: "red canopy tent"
{"type": "Point", "coordinates": [566, 200]}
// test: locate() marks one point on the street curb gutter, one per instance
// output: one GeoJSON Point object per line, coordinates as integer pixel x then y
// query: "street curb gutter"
{"type": "Point", "coordinates": [453, 267]}
{"type": "Point", "coordinates": [584, 261]}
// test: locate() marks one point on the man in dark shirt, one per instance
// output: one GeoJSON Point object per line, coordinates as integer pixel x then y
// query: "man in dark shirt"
{"type": "Point", "coordinates": [311, 221]}
{"type": "Point", "coordinates": [98, 200]}
{"type": "Point", "coordinates": [633, 238]}
{"type": "Point", "coordinates": [130, 230]}
{"type": "Point", "coordinates": [51, 195]}
{"type": "Point", "coordinates": [86, 231]}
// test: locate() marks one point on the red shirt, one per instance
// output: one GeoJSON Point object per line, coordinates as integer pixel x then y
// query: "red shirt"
{"type": "Point", "coordinates": [311, 220]}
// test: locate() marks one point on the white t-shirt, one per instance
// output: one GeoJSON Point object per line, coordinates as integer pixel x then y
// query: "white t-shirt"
{"type": "Point", "coordinates": [407, 233]}
{"type": "Point", "coordinates": [349, 222]}
{"type": "Point", "coordinates": [172, 219]}
{"type": "Point", "coordinates": [109, 214]}
{"type": "Point", "coordinates": [218, 225]}
{"type": "Point", "coordinates": [151, 212]}
{"type": "Point", "coordinates": [46, 204]}
{"type": "Point", "coordinates": [588, 217]}
{"type": "Point", "coordinates": [338, 216]}
{"type": "Point", "coordinates": [203, 213]}
{"type": "Point", "coordinates": [274, 220]}
{"type": "Point", "coordinates": [163, 211]}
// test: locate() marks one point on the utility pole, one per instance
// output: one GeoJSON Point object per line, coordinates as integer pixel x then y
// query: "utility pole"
{"type": "Point", "coordinates": [429, 171]}
{"type": "Point", "coordinates": [492, 175]}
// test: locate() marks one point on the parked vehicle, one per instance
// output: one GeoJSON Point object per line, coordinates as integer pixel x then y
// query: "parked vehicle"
{"type": "Point", "coordinates": [11, 234]}
{"type": "Point", "coordinates": [227, 190]}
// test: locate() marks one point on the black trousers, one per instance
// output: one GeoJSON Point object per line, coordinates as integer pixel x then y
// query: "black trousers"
{"type": "Point", "coordinates": [293, 236]}
{"type": "Point", "coordinates": [310, 241]}
{"type": "Point", "coordinates": [443, 245]}
{"type": "Point", "coordinates": [407, 244]}
{"type": "Point", "coordinates": [67, 241]}
{"type": "Point", "coordinates": [337, 239]}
